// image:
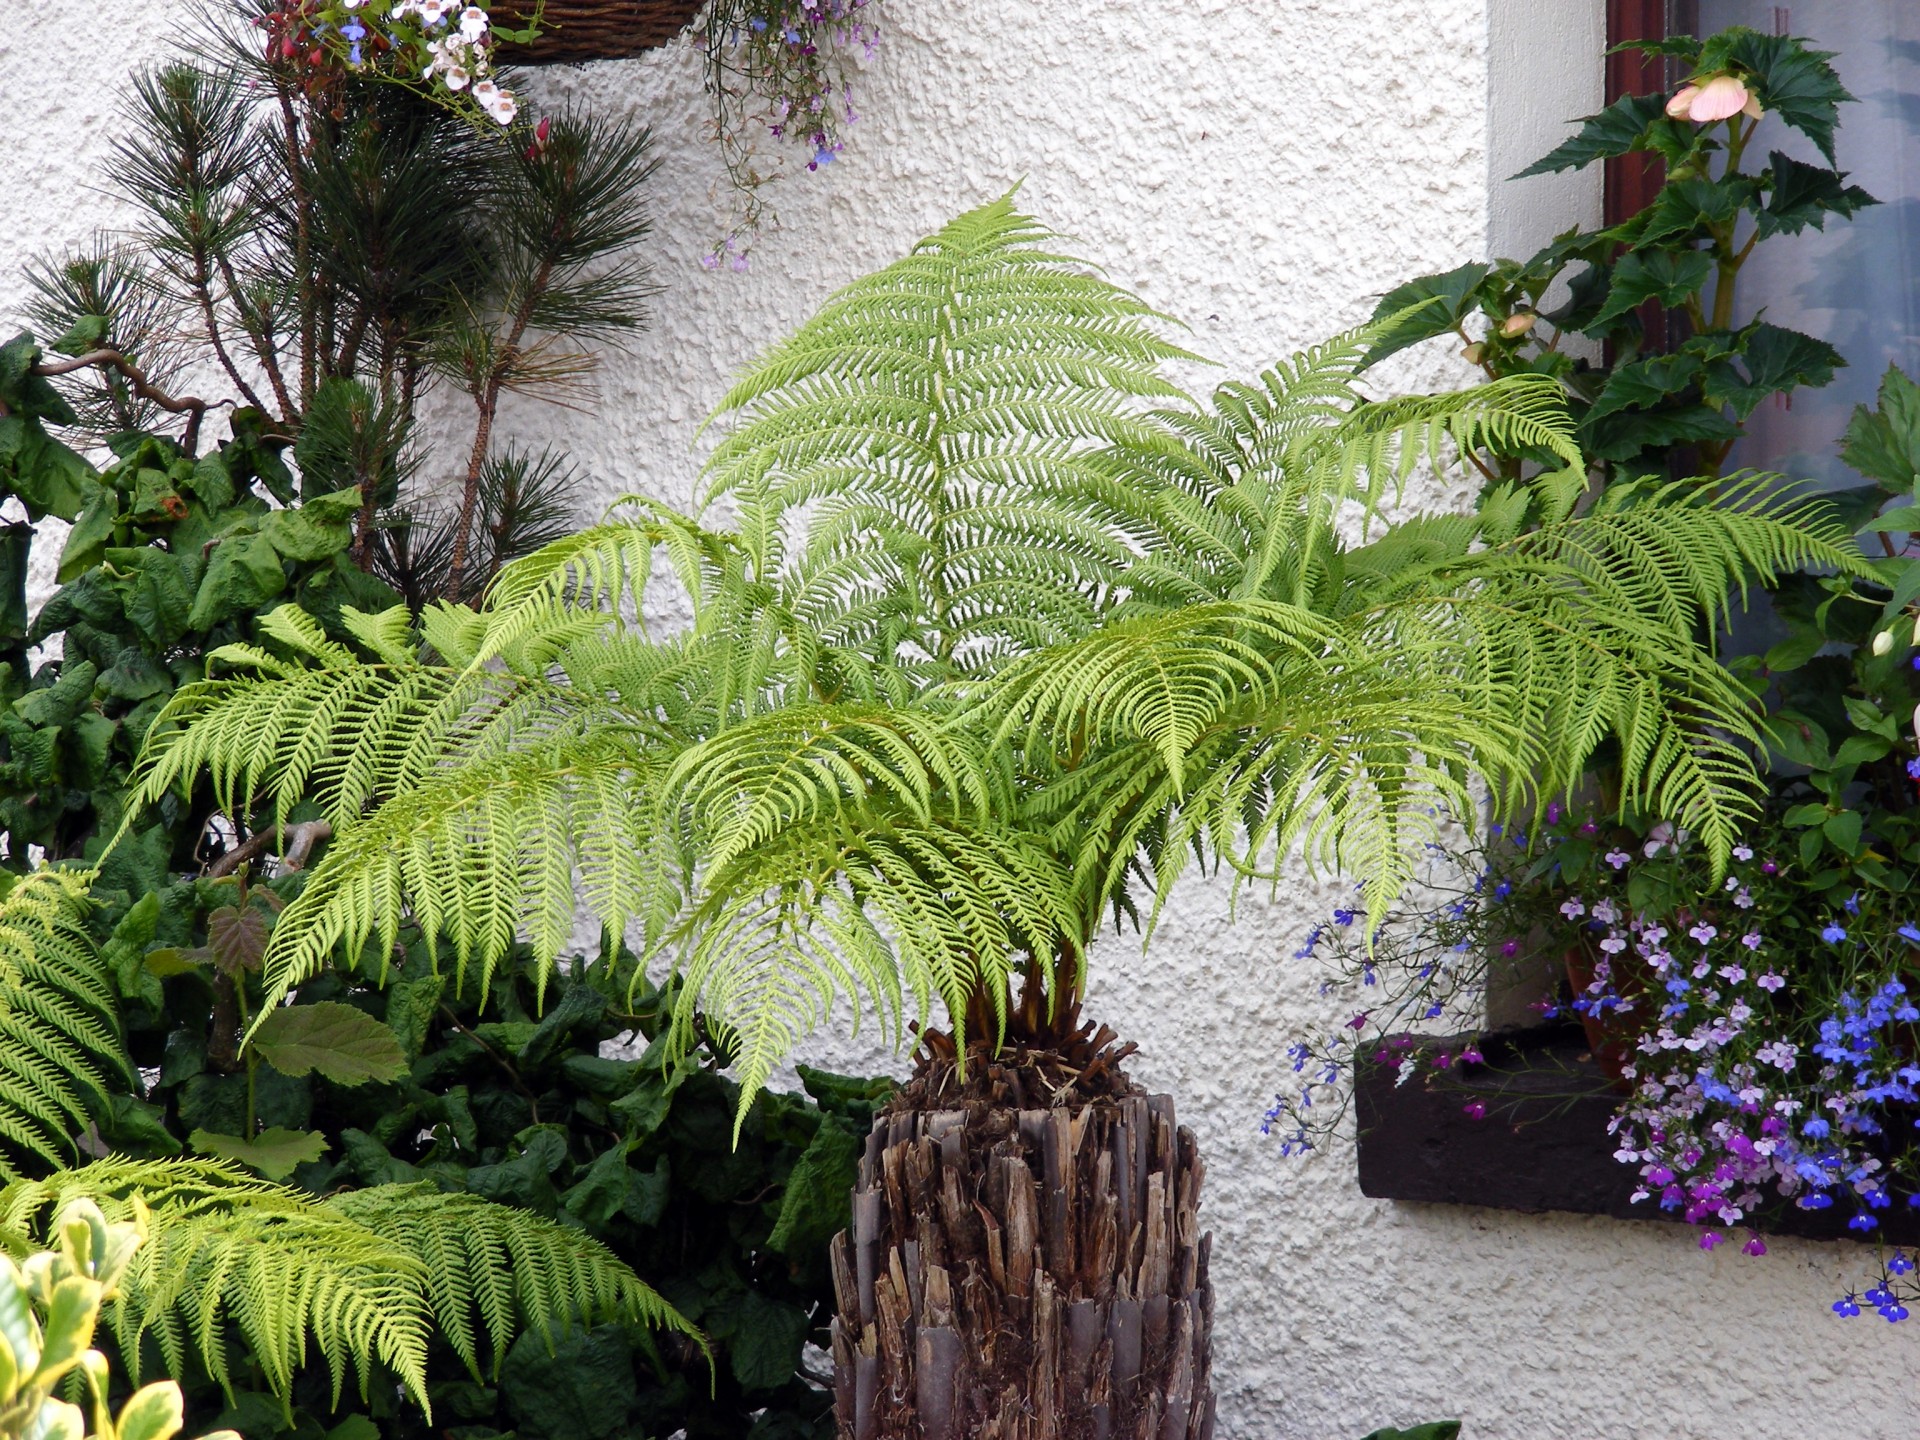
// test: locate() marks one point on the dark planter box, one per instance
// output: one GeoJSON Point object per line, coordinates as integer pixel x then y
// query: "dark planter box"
{"type": "Point", "coordinates": [1543, 1144]}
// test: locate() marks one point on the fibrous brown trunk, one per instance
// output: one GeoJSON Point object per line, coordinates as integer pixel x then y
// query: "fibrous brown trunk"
{"type": "Point", "coordinates": [1025, 1261]}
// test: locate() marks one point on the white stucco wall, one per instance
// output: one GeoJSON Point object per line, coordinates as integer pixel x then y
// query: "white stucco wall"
{"type": "Point", "coordinates": [1260, 168]}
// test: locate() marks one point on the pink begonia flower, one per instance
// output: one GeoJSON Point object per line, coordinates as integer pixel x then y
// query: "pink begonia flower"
{"type": "Point", "coordinates": [1680, 107]}
{"type": "Point", "coordinates": [1720, 98]}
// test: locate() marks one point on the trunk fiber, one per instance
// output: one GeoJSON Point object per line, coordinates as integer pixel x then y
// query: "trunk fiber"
{"type": "Point", "coordinates": [1024, 1270]}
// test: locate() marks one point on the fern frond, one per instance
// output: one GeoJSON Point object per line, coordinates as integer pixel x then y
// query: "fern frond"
{"type": "Point", "coordinates": [937, 421]}
{"type": "Point", "coordinates": [493, 1267]}
{"type": "Point", "coordinates": [363, 1276]}
{"type": "Point", "coordinates": [59, 1026]}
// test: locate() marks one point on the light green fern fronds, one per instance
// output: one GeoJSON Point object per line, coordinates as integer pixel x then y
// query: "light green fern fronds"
{"type": "Point", "coordinates": [364, 1277]}
{"type": "Point", "coordinates": [1006, 627]}
{"type": "Point", "coordinates": [937, 421]}
{"type": "Point", "coordinates": [59, 1031]}
{"type": "Point", "coordinates": [492, 1271]}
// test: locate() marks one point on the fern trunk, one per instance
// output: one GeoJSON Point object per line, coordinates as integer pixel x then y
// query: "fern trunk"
{"type": "Point", "coordinates": [1025, 1261]}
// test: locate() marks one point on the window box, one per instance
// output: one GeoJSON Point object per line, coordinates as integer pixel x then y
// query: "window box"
{"type": "Point", "coordinates": [1542, 1144]}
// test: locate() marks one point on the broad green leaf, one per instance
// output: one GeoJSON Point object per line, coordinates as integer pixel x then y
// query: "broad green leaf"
{"type": "Point", "coordinates": [1776, 361]}
{"type": "Point", "coordinates": [1804, 195]}
{"type": "Point", "coordinates": [342, 1044]}
{"type": "Point", "coordinates": [243, 573]}
{"type": "Point", "coordinates": [139, 1128]}
{"type": "Point", "coordinates": [56, 1420]}
{"type": "Point", "coordinates": [1666, 276]}
{"type": "Point", "coordinates": [816, 1203]}
{"type": "Point", "coordinates": [1432, 1430]}
{"type": "Point", "coordinates": [60, 702]}
{"type": "Point", "coordinates": [17, 1324]}
{"type": "Point", "coordinates": [1789, 79]}
{"type": "Point", "coordinates": [1861, 750]}
{"type": "Point", "coordinates": [48, 477]}
{"type": "Point", "coordinates": [274, 1153]}
{"type": "Point", "coordinates": [67, 1330]}
{"type": "Point", "coordinates": [1843, 829]}
{"type": "Point", "coordinates": [87, 542]}
{"type": "Point", "coordinates": [1687, 208]}
{"type": "Point", "coordinates": [765, 1341]}
{"type": "Point", "coordinates": [1643, 384]}
{"type": "Point", "coordinates": [88, 332]}
{"type": "Point", "coordinates": [1884, 443]}
{"type": "Point", "coordinates": [155, 1412]}
{"type": "Point", "coordinates": [1619, 129]}
{"type": "Point", "coordinates": [1625, 435]}
{"type": "Point", "coordinates": [1422, 309]}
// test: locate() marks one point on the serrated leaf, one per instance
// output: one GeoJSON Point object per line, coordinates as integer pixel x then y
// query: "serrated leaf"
{"type": "Point", "coordinates": [1776, 361]}
{"type": "Point", "coordinates": [237, 937]}
{"type": "Point", "coordinates": [1804, 195]}
{"type": "Point", "coordinates": [274, 1153]}
{"type": "Point", "coordinates": [1429, 306]}
{"type": "Point", "coordinates": [338, 1042]}
{"type": "Point", "coordinates": [1666, 276]}
{"type": "Point", "coordinates": [1619, 129]}
{"type": "Point", "coordinates": [1788, 78]}
{"type": "Point", "coordinates": [1884, 443]}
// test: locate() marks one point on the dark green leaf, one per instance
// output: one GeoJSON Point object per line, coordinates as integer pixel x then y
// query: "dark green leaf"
{"type": "Point", "coordinates": [1804, 195]}
{"type": "Point", "coordinates": [1789, 79]}
{"type": "Point", "coordinates": [1644, 384]}
{"type": "Point", "coordinates": [765, 1341]}
{"type": "Point", "coordinates": [1619, 129]}
{"type": "Point", "coordinates": [1776, 361]}
{"type": "Point", "coordinates": [345, 1045]}
{"type": "Point", "coordinates": [817, 1201]}
{"type": "Point", "coordinates": [242, 574]}
{"type": "Point", "coordinates": [1666, 276]}
{"type": "Point", "coordinates": [1424, 308]}
{"type": "Point", "coordinates": [1432, 1430]}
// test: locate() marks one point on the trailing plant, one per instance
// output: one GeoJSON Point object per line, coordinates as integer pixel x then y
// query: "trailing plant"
{"type": "Point", "coordinates": [1685, 360]}
{"type": "Point", "coordinates": [779, 70]}
{"type": "Point", "coordinates": [51, 1302]}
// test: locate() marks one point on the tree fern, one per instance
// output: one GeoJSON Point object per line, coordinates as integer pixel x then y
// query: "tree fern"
{"type": "Point", "coordinates": [364, 1277]}
{"type": "Point", "coordinates": [1007, 625]}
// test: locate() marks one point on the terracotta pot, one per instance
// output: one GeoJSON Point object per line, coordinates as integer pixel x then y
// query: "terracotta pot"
{"type": "Point", "coordinates": [577, 30]}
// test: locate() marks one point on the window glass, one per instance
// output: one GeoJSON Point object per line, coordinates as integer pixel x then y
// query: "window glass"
{"type": "Point", "coordinates": [1857, 285]}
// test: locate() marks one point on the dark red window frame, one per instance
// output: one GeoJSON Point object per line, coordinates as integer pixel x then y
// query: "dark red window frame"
{"type": "Point", "coordinates": [1633, 180]}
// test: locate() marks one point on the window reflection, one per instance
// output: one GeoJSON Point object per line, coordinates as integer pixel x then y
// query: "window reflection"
{"type": "Point", "coordinates": [1856, 285]}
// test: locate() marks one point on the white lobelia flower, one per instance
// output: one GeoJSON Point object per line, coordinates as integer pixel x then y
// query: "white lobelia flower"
{"type": "Point", "coordinates": [504, 107]}
{"type": "Point", "coordinates": [456, 77]}
{"type": "Point", "coordinates": [473, 22]}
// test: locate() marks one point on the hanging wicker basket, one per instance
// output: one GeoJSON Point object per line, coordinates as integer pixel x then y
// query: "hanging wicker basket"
{"type": "Point", "coordinates": [575, 30]}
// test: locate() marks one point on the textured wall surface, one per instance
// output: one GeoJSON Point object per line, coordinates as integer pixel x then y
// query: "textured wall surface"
{"type": "Point", "coordinates": [1259, 168]}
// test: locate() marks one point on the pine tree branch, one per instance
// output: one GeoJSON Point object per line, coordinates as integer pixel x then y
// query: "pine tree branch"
{"type": "Point", "coordinates": [191, 406]}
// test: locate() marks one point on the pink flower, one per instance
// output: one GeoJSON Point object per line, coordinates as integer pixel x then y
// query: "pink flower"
{"type": "Point", "coordinates": [1770, 982]}
{"type": "Point", "coordinates": [1720, 98]}
{"type": "Point", "coordinates": [1474, 1110]}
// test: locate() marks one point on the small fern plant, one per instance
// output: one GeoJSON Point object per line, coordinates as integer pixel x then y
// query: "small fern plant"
{"type": "Point", "coordinates": [1004, 630]}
